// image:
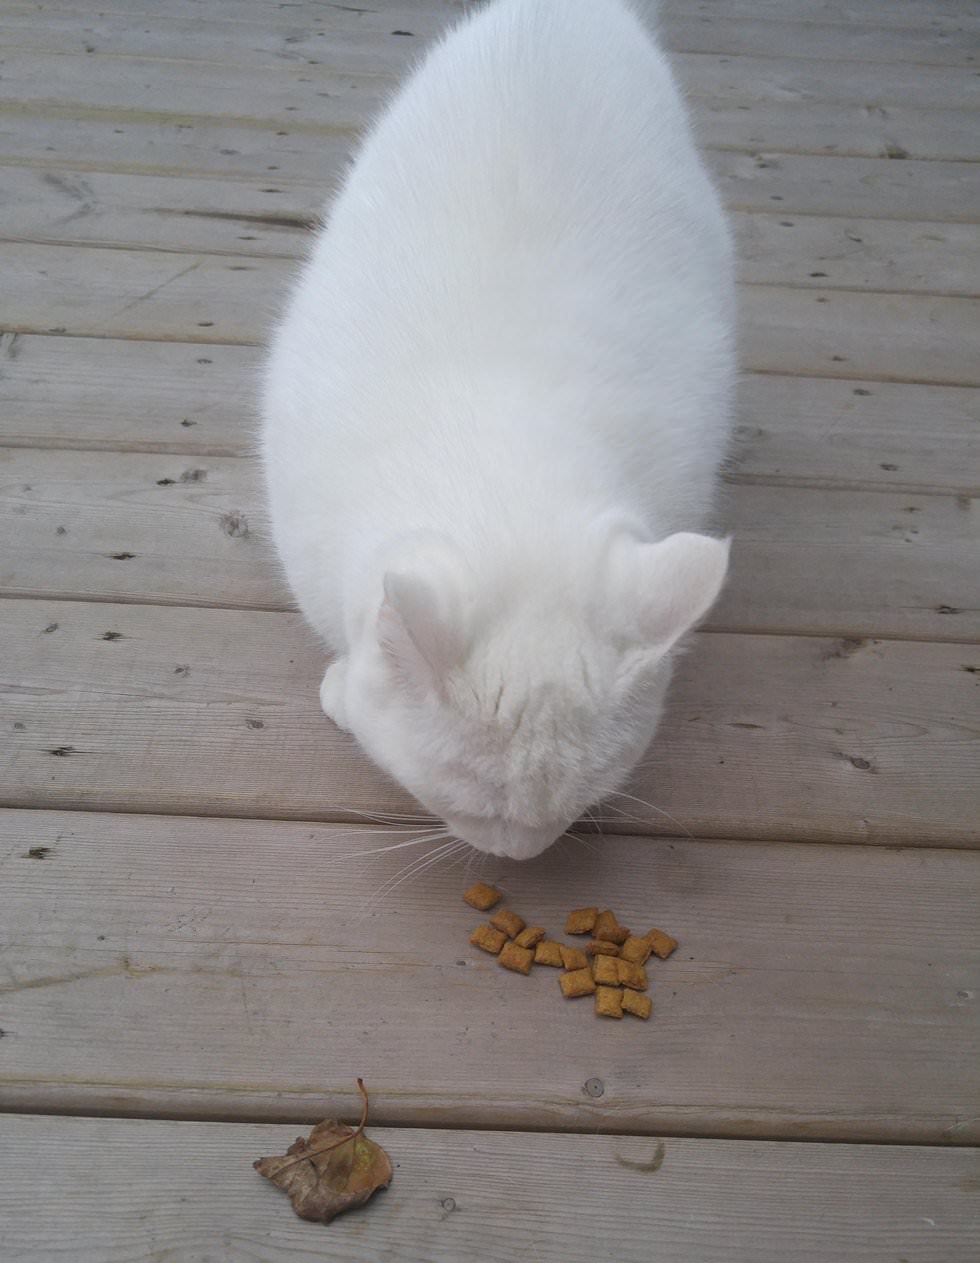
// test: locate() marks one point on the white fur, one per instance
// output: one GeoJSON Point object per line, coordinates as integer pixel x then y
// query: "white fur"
{"type": "Point", "coordinates": [501, 389]}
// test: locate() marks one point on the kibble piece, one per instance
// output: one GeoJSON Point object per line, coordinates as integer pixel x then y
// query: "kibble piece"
{"type": "Point", "coordinates": [636, 950]}
{"type": "Point", "coordinates": [572, 958]}
{"type": "Point", "coordinates": [639, 1005]}
{"type": "Point", "coordinates": [530, 937]}
{"type": "Point", "coordinates": [631, 975]}
{"type": "Point", "coordinates": [598, 948]}
{"type": "Point", "coordinates": [577, 983]}
{"type": "Point", "coordinates": [482, 897]}
{"type": "Point", "coordinates": [606, 973]}
{"type": "Point", "coordinates": [487, 939]}
{"type": "Point", "coordinates": [608, 1002]}
{"type": "Point", "coordinates": [517, 958]}
{"type": "Point", "coordinates": [661, 944]}
{"type": "Point", "coordinates": [581, 921]}
{"type": "Point", "coordinates": [609, 929]}
{"type": "Point", "coordinates": [508, 921]}
{"type": "Point", "coordinates": [548, 953]}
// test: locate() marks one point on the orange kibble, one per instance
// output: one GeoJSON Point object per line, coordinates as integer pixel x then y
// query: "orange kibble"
{"type": "Point", "coordinates": [606, 971]}
{"type": "Point", "coordinates": [608, 1002]}
{"type": "Point", "coordinates": [661, 944]}
{"type": "Point", "coordinates": [636, 950]}
{"type": "Point", "coordinates": [487, 939]}
{"type": "Point", "coordinates": [640, 1006]}
{"type": "Point", "coordinates": [530, 937]}
{"type": "Point", "coordinates": [508, 921]}
{"type": "Point", "coordinates": [548, 953]}
{"type": "Point", "coordinates": [631, 975]}
{"type": "Point", "coordinates": [519, 959]}
{"type": "Point", "coordinates": [581, 921]}
{"type": "Point", "coordinates": [598, 948]}
{"type": "Point", "coordinates": [482, 897]}
{"type": "Point", "coordinates": [608, 928]}
{"type": "Point", "coordinates": [577, 983]}
{"type": "Point", "coordinates": [572, 958]}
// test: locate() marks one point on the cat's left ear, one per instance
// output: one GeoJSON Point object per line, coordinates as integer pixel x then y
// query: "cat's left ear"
{"type": "Point", "coordinates": [667, 587]}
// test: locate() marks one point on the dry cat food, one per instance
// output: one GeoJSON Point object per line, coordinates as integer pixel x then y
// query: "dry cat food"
{"type": "Point", "coordinates": [611, 968]}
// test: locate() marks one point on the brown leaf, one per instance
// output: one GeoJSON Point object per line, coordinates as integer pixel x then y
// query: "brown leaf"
{"type": "Point", "coordinates": [334, 1169]}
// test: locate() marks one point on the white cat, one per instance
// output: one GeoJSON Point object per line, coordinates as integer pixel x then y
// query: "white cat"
{"type": "Point", "coordinates": [495, 410]}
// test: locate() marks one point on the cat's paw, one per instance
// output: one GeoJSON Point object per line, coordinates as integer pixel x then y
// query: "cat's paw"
{"type": "Point", "coordinates": [332, 693]}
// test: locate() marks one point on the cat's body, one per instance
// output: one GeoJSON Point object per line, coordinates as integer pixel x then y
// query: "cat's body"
{"type": "Point", "coordinates": [504, 374]}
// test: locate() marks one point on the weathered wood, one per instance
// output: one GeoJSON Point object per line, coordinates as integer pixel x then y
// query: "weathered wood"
{"type": "Point", "coordinates": [184, 399]}
{"type": "Point", "coordinates": [317, 35]}
{"type": "Point", "coordinates": [809, 1202]}
{"type": "Point", "coordinates": [840, 562]}
{"type": "Point", "coordinates": [149, 396]}
{"type": "Point", "coordinates": [214, 299]}
{"type": "Point", "coordinates": [853, 107]}
{"type": "Point", "coordinates": [904, 337]}
{"type": "Point", "coordinates": [813, 431]}
{"type": "Point", "coordinates": [798, 183]}
{"type": "Point", "coordinates": [871, 187]}
{"type": "Point", "coordinates": [955, 15]}
{"type": "Point", "coordinates": [263, 995]}
{"type": "Point", "coordinates": [202, 711]}
{"type": "Point", "coordinates": [163, 213]}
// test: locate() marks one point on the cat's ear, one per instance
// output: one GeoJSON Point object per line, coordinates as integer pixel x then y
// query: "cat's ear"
{"type": "Point", "coordinates": [420, 628]}
{"type": "Point", "coordinates": [665, 588]}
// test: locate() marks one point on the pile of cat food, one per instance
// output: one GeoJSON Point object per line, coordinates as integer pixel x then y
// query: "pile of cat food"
{"type": "Point", "coordinates": [612, 967]}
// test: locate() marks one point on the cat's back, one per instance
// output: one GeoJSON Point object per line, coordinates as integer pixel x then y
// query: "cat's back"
{"type": "Point", "coordinates": [529, 220]}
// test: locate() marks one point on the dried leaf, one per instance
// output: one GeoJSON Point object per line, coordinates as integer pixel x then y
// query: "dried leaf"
{"type": "Point", "coordinates": [334, 1169]}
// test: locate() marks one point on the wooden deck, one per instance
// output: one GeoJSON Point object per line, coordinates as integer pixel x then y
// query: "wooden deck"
{"type": "Point", "coordinates": [193, 964]}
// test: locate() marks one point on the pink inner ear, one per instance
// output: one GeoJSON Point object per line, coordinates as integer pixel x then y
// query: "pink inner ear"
{"type": "Point", "coordinates": [679, 579]}
{"type": "Point", "coordinates": [417, 630]}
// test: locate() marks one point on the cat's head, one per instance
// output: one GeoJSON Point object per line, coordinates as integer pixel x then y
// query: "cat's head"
{"type": "Point", "coordinates": [507, 708]}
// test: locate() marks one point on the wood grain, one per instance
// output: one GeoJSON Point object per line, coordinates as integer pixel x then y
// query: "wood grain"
{"type": "Point", "coordinates": [188, 400]}
{"type": "Point", "coordinates": [802, 106]}
{"type": "Point", "coordinates": [130, 1190]}
{"type": "Point", "coordinates": [318, 35]}
{"type": "Point", "coordinates": [139, 708]}
{"type": "Point", "coordinates": [163, 213]}
{"type": "Point", "coordinates": [217, 299]}
{"type": "Point", "coordinates": [843, 563]}
{"type": "Point", "coordinates": [247, 970]}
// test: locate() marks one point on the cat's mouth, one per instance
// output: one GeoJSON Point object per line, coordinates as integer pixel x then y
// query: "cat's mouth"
{"type": "Point", "coordinates": [504, 838]}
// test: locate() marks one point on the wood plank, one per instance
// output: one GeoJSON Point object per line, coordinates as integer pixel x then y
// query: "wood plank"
{"type": "Point", "coordinates": [724, 33]}
{"type": "Point", "coordinates": [799, 183]}
{"type": "Point", "coordinates": [858, 100]}
{"type": "Point", "coordinates": [149, 396]}
{"type": "Point", "coordinates": [46, 206]}
{"type": "Point", "coordinates": [837, 562]}
{"type": "Point", "coordinates": [871, 187]}
{"type": "Point", "coordinates": [957, 15]}
{"type": "Point", "coordinates": [212, 299]}
{"type": "Point", "coordinates": [339, 94]}
{"type": "Point", "coordinates": [247, 970]}
{"type": "Point", "coordinates": [430, 16]}
{"type": "Point", "coordinates": [314, 36]}
{"type": "Point", "coordinates": [159, 212]}
{"type": "Point", "coordinates": [903, 337]}
{"type": "Point", "coordinates": [813, 1203]}
{"type": "Point", "coordinates": [170, 397]}
{"type": "Point", "coordinates": [128, 707]}
{"type": "Point", "coordinates": [814, 431]}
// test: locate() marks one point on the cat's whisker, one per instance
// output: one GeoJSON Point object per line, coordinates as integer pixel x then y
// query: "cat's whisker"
{"type": "Point", "coordinates": [417, 864]}
{"type": "Point", "coordinates": [427, 862]}
{"type": "Point", "coordinates": [643, 803]}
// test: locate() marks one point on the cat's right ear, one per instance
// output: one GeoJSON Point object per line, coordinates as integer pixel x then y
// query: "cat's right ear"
{"type": "Point", "coordinates": [420, 629]}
